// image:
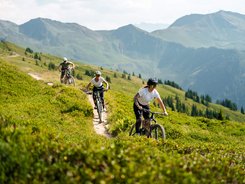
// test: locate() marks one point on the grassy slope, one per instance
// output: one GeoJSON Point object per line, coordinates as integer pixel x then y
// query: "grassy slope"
{"type": "Point", "coordinates": [46, 135]}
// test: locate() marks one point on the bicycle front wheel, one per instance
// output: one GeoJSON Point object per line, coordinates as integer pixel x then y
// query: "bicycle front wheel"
{"type": "Point", "coordinates": [99, 110]}
{"type": "Point", "coordinates": [157, 132]}
{"type": "Point", "coordinates": [71, 81]}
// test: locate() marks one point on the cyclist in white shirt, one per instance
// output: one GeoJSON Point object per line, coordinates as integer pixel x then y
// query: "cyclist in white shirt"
{"type": "Point", "coordinates": [142, 100]}
{"type": "Point", "coordinates": [97, 82]}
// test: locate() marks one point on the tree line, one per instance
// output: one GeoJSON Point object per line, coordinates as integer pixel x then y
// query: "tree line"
{"type": "Point", "coordinates": [179, 106]}
{"type": "Point", "coordinates": [176, 105]}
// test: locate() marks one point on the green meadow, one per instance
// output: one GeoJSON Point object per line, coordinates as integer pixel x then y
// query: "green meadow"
{"type": "Point", "coordinates": [47, 134]}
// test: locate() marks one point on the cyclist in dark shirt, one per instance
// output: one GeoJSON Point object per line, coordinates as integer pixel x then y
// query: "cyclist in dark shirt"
{"type": "Point", "coordinates": [65, 65]}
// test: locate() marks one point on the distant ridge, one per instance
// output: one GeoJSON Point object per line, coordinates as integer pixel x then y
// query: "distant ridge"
{"type": "Point", "coordinates": [203, 52]}
{"type": "Point", "coordinates": [222, 29]}
{"type": "Point", "coordinates": [150, 27]}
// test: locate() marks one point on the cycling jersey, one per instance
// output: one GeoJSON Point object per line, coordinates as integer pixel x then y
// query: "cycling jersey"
{"type": "Point", "coordinates": [99, 83]}
{"type": "Point", "coordinates": [146, 96]}
{"type": "Point", "coordinates": [65, 65]}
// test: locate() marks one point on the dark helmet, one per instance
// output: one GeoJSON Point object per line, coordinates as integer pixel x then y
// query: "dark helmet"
{"type": "Point", "coordinates": [152, 82]}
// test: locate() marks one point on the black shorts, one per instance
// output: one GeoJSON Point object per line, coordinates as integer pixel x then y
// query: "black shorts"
{"type": "Point", "coordinates": [139, 112]}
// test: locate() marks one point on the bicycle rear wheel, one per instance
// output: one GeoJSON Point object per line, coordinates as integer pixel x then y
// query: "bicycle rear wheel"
{"type": "Point", "coordinates": [157, 132]}
{"type": "Point", "coordinates": [132, 130]}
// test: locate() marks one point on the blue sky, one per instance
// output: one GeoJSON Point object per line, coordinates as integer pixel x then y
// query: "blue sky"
{"type": "Point", "coordinates": [111, 14]}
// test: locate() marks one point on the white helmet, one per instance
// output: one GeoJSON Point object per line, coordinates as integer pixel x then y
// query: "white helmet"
{"type": "Point", "coordinates": [98, 73]}
{"type": "Point", "coordinates": [65, 59]}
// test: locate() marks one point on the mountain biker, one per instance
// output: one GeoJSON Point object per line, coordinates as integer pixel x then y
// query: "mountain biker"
{"type": "Point", "coordinates": [142, 100]}
{"type": "Point", "coordinates": [97, 82]}
{"type": "Point", "coordinates": [65, 66]}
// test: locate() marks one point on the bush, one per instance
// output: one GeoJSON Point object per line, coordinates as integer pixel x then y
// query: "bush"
{"type": "Point", "coordinates": [51, 66]}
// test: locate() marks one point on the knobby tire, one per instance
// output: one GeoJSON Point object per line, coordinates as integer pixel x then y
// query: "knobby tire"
{"type": "Point", "coordinates": [132, 130]}
{"type": "Point", "coordinates": [70, 81]}
{"type": "Point", "coordinates": [99, 109]}
{"type": "Point", "coordinates": [157, 132]}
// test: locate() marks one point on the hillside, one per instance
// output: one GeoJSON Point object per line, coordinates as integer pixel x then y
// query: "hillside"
{"type": "Point", "coordinates": [47, 134]}
{"type": "Point", "coordinates": [193, 51]}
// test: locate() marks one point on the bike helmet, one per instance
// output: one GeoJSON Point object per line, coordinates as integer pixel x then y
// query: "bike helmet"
{"type": "Point", "coordinates": [65, 59]}
{"type": "Point", "coordinates": [98, 73]}
{"type": "Point", "coordinates": [152, 82]}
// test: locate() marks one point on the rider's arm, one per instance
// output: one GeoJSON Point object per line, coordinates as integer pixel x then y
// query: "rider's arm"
{"type": "Point", "coordinates": [107, 85]}
{"type": "Point", "coordinates": [136, 100]}
{"type": "Point", "coordinates": [162, 106]}
{"type": "Point", "coordinates": [71, 63]}
{"type": "Point", "coordinates": [89, 84]}
{"type": "Point", "coordinates": [60, 67]}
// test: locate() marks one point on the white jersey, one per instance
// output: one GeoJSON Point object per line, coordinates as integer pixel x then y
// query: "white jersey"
{"type": "Point", "coordinates": [146, 96]}
{"type": "Point", "coordinates": [99, 83]}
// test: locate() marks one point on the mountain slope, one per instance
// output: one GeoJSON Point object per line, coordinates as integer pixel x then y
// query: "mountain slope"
{"type": "Point", "coordinates": [221, 29]}
{"type": "Point", "coordinates": [217, 72]}
{"type": "Point", "coordinates": [131, 49]}
{"type": "Point", "coordinates": [46, 134]}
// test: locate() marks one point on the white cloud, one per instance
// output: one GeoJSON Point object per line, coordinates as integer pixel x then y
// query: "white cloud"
{"type": "Point", "coordinates": [111, 14]}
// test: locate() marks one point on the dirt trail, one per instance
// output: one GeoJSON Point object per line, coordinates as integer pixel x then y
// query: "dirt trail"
{"type": "Point", "coordinates": [100, 128]}
{"type": "Point", "coordinates": [35, 76]}
{"type": "Point", "coordinates": [38, 77]}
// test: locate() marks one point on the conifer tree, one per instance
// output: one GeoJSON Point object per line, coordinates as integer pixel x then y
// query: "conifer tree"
{"type": "Point", "coordinates": [242, 110]}
{"type": "Point", "coordinates": [107, 78]}
{"type": "Point", "coordinates": [194, 111]}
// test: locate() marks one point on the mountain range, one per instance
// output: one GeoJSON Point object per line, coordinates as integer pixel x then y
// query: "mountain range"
{"type": "Point", "coordinates": [205, 53]}
{"type": "Point", "coordinates": [150, 27]}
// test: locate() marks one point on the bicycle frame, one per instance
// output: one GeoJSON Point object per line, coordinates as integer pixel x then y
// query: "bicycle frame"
{"type": "Point", "coordinates": [68, 78]}
{"type": "Point", "coordinates": [97, 98]}
{"type": "Point", "coordinates": [98, 103]}
{"type": "Point", "coordinates": [151, 116]}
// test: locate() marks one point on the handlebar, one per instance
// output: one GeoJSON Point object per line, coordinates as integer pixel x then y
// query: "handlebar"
{"type": "Point", "coordinates": [160, 113]}
{"type": "Point", "coordinates": [90, 92]}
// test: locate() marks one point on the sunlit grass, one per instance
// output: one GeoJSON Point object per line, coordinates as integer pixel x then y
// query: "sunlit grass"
{"type": "Point", "coordinates": [47, 135]}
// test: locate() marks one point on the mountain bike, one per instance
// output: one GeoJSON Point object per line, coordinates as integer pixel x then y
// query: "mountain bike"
{"type": "Point", "coordinates": [150, 127]}
{"type": "Point", "coordinates": [68, 78]}
{"type": "Point", "coordinates": [98, 104]}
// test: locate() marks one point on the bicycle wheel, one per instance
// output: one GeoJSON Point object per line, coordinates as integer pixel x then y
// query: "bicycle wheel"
{"type": "Point", "coordinates": [157, 132]}
{"type": "Point", "coordinates": [71, 81]}
{"type": "Point", "coordinates": [132, 130]}
{"type": "Point", "coordinates": [99, 109]}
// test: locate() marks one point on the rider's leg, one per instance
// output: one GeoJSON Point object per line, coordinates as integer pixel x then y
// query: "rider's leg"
{"type": "Point", "coordinates": [137, 113]}
{"type": "Point", "coordinates": [138, 124]}
{"type": "Point", "coordinates": [102, 98]}
{"type": "Point", "coordinates": [94, 97]}
{"type": "Point", "coordinates": [146, 114]}
{"type": "Point", "coordinates": [62, 76]}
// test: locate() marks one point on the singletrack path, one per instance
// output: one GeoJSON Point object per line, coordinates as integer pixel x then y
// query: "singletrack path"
{"type": "Point", "coordinates": [100, 128]}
